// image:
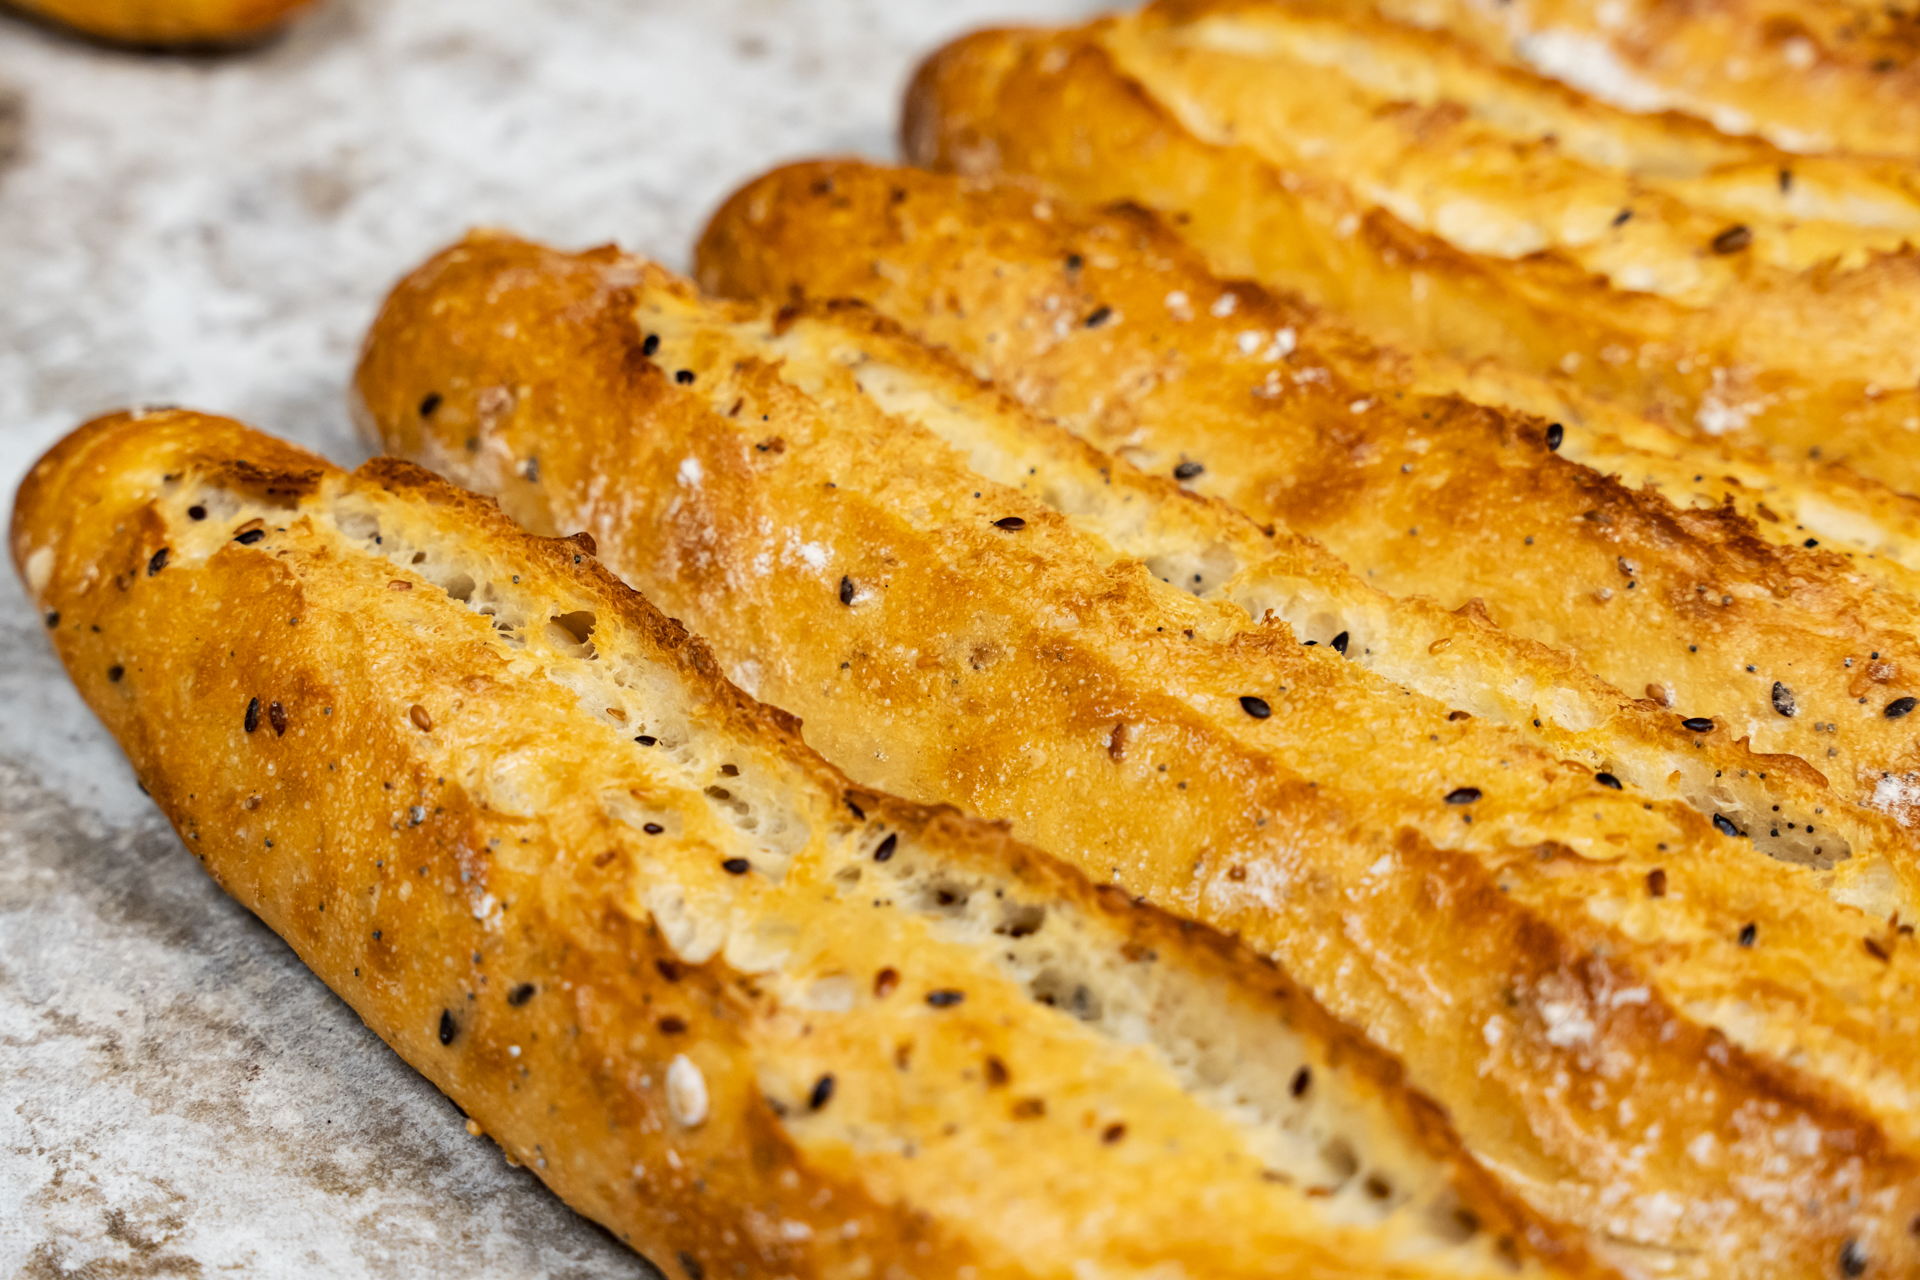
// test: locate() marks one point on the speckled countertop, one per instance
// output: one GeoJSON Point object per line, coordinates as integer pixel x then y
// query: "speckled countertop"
{"type": "Point", "coordinates": [178, 1095]}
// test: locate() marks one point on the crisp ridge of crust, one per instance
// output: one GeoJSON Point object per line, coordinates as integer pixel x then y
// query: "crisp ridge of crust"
{"type": "Point", "coordinates": [881, 543]}
{"type": "Point", "coordinates": [752, 1017]}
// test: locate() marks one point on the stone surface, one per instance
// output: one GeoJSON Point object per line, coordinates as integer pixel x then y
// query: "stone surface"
{"type": "Point", "coordinates": [178, 1095]}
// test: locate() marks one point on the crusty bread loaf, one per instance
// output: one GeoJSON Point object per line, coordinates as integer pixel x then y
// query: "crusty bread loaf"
{"type": "Point", "coordinates": [1623, 1012]}
{"type": "Point", "coordinates": [1442, 202]}
{"type": "Point", "coordinates": [167, 22]}
{"type": "Point", "coordinates": [755, 1020]}
{"type": "Point", "coordinates": [1724, 604]}
{"type": "Point", "coordinates": [1808, 75]}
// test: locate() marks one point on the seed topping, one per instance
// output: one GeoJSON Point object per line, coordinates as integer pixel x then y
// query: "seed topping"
{"type": "Point", "coordinates": [448, 1027]}
{"type": "Point", "coordinates": [886, 847]}
{"type": "Point", "coordinates": [822, 1092]}
{"type": "Point", "coordinates": [945, 997]}
{"type": "Point", "coordinates": [1463, 795]}
{"type": "Point", "coordinates": [1657, 883]}
{"type": "Point", "coordinates": [1012, 524]}
{"type": "Point", "coordinates": [1555, 434]}
{"type": "Point", "coordinates": [421, 720]}
{"type": "Point", "coordinates": [1697, 724]}
{"type": "Point", "coordinates": [1724, 825]}
{"type": "Point", "coordinates": [1748, 932]}
{"type": "Point", "coordinates": [1607, 780]}
{"type": "Point", "coordinates": [277, 717]}
{"type": "Point", "coordinates": [1255, 707]}
{"type": "Point", "coordinates": [251, 720]}
{"type": "Point", "coordinates": [1898, 707]}
{"type": "Point", "coordinates": [736, 866]}
{"type": "Point", "coordinates": [158, 562]}
{"type": "Point", "coordinates": [1783, 699]}
{"type": "Point", "coordinates": [846, 589]}
{"type": "Point", "coordinates": [1733, 239]}
{"type": "Point", "coordinates": [520, 994]}
{"type": "Point", "coordinates": [1187, 470]}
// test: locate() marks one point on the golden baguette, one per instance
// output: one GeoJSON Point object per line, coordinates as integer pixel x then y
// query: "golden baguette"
{"type": "Point", "coordinates": [1807, 75]}
{"type": "Point", "coordinates": [167, 22]}
{"type": "Point", "coordinates": [1790, 642]}
{"type": "Point", "coordinates": [967, 605]}
{"type": "Point", "coordinates": [753, 1019]}
{"type": "Point", "coordinates": [1443, 203]}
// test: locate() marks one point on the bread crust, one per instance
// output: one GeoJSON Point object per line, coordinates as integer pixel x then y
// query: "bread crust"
{"type": "Point", "coordinates": [1706, 308]}
{"type": "Point", "coordinates": [856, 564]}
{"type": "Point", "coordinates": [1806, 75]}
{"type": "Point", "coordinates": [1720, 607]}
{"type": "Point", "coordinates": [170, 23]}
{"type": "Point", "coordinates": [401, 731]}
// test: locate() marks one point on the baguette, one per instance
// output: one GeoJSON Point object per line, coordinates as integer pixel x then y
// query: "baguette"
{"type": "Point", "coordinates": [1806, 75]}
{"type": "Point", "coordinates": [1726, 288]}
{"type": "Point", "coordinates": [755, 1020]}
{"type": "Point", "coordinates": [167, 22]}
{"type": "Point", "coordinates": [967, 604]}
{"type": "Point", "coordinates": [1786, 637]}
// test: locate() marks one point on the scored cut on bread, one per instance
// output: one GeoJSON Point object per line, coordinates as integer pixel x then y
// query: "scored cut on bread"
{"type": "Point", "coordinates": [753, 1018]}
{"type": "Point", "coordinates": [1710, 601]}
{"type": "Point", "coordinates": [168, 22]}
{"type": "Point", "coordinates": [1806, 75]}
{"type": "Point", "coordinates": [968, 604]}
{"type": "Point", "coordinates": [1441, 202]}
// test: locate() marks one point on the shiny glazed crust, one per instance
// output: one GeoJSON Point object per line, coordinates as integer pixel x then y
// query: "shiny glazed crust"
{"type": "Point", "coordinates": [1706, 592]}
{"type": "Point", "coordinates": [968, 605]}
{"type": "Point", "coordinates": [754, 1019]}
{"type": "Point", "coordinates": [167, 22]}
{"type": "Point", "coordinates": [1475, 211]}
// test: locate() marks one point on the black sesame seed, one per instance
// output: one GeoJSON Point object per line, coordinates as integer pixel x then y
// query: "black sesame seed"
{"type": "Point", "coordinates": [653, 828]}
{"type": "Point", "coordinates": [1733, 239]}
{"type": "Point", "coordinates": [886, 848]}
{"type": "Point", "coordinates": [250, 537]}
{"type": "Point", "coordinates": [448, 1028]}
{"type": "Point", "coordinates": [1748, 932]}
{"type": "Point", "coordinates": [1782, 699]}
{"type": "Point", "coordinates": [1073, 262]}
{"type": "Point", "coordinates": [429, 403]}
{"type": "Point", "coordinates": [1853, 1258]}
{"type": "Point", "coordinates": [846, 589]}
{"type": "Point", "coordinates": [1724, 825]}
{"type": "Point", "coordinates": [736, 866]}
{"type": "Point", "coordinates": [158, 562]}
{"type": "Point", "coordinates": [1099, 316]}
{"type": "Point", "coordinates": [1187, 470]}
{"type": "Point", "coordinates": [691, 1265]}
{"type": "Point", "coordinates": [1898, 707]}
{"type": "Point", "coordinates": [416, 814]}
{"type": "Point", "coordinates": [822, 1093]}
{"type": "Point", "coordinates": [1012, 524]}
{"type": "Point", "coordinates": [277, 717]}
{"type": "Point", "coordinates": [1340, 644]}
{"type": "Point", "coordinates": [196, 512]}
{"type": "Point", "coordinates": [650, 344]}
{"type": "Point", "coordinates": [1620, 218]}
{"type": "Point", "coordinates": [1811, 542]}
{"type": "Point", "coordinates": [1463, 795]}
{"type": "Point", "coordinates": [1697, 724]}
{"type": "Point", "coordinates": [1555, 434]}
{"type": "Point", "coordinates": [116, 671]}
{"type": "Point", "coordinates": [683, 376]}
{"type": "Point", "coordinates": [1255, 707]}
{"type": "Point", "coordinates": [1657, 883]}
{"type": "Point", "coordinates": [520, 994]}
{"type": "Point", "coordinates": [1302, 1081]}
{"type": "Point", "coordinates": [1607, 780]}
{"type": "Point", "coordinates": [53, 619]}
{"type": "Point", "coordinates": [646, 739]}
{"type": "Point", "coordinates": [945, 998]}
{"type": "Point", "coordinates": [252, 719]}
